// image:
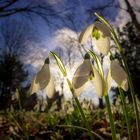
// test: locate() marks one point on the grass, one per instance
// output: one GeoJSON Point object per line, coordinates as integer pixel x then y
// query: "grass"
{"type": "Point", "coordinates": [65, 125]}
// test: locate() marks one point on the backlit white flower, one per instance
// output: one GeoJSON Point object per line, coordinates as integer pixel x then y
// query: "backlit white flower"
{"type": "Point", "coordinates": [43, 80]}
{"type": "Point", "coordinates": [50, 88]}
{"type": "Point", "coordinates": [82, 75]}
{"type": "Point", "coordinates": [102, 37]}
{"type": "Point", "coordinates": [118, 74]}
{"type": "Point", "coordinates": [43, 76]}
{"type": "Point", "coordinates": [86, 33]}
{"type": "Point", "coordinates": [103, 44]}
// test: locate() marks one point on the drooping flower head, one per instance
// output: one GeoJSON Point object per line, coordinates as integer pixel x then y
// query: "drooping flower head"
{"type": "Point", "coordinates": [50, 88]}
{"type": "Point", "coordinates": [100, 34]}
{"type": "Point", "coordinates": [82, 75]}
{"type": "Point", "coordinates": [117, 73]}
{"type": "Point", "coordinates": [43, 80]}
{"type": "Point", "coordinates": [43, 76]}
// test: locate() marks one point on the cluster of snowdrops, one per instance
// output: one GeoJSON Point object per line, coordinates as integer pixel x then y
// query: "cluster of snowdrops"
{"type": "Point", "coordinates": [86, 71]}
{"type": "Point", "coordinates": [101, 33]}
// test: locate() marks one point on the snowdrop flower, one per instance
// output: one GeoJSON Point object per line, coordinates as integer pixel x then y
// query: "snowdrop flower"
{"type": "Point", "coordinates": [43, 80]}
{"type": "Point", "coordinates": [82, 75]}
{"type": "Point", "coordinates": [43, 76]}
{"type": "Point", "coordinates": [118, 74]}
{"type": "Point", "coordinates": [86, 33]}
{"type": "Point", "coordinates": [100, 34]}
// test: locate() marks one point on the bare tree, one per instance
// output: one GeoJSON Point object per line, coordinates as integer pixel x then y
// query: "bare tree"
{"type": "Point", "coordinates": [101, 7]}
{"type": "Point", "coordinates": [40, 8]}
{"type": "Point", "coordinates": [133, 16]}
{"type": "Point", "coordinates": [15, 37]}
{"type": "Point", "coordinates": [114, 4]}
{"type": "Point", "coordinates": [72, 23]}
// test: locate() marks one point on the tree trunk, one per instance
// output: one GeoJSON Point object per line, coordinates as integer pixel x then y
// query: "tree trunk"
{"type": "Point", "coordinates": [133, 16]}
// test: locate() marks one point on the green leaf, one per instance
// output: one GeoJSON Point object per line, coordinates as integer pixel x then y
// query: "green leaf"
{"type": "Point", "coordinates": [59, 63]}
{"type": "Point", "coordinates": [98, 62]}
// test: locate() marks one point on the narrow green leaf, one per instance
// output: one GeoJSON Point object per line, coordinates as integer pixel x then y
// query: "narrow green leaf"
{"type": "Point", "coordinates": [59, 63]}
{"type": "Point", "coordinates": [125, 110]}
{"type": "Point", "coordinates": [110, 115]}
{"type": "Point", "coordinates": [98, 62]}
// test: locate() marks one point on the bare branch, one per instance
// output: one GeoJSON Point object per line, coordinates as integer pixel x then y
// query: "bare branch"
{"type": "Point", "coordinates": [6, 4]}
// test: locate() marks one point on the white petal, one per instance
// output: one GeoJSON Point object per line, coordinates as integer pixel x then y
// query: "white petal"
{"type": "Point", "coordinates": [98, 82]}
{"type": "Point", "coordinates": [85, 34]}
{"type": "Point", "coordinates": [82, 74]}
{"type": "Point", "coordinates": [102, 28]}
{"type": "Point", "coordinates": [108, 81]}
{"type": "Point", "coordinates": [50, 89]}
{"type": "Point", "coordinates": [124, 85]}
{"type": "Point", "coordinates": [119, 75]}
{"type": "Point", "coordinates": [103, 44]}
{"type": "Point", "coordinates": [34, 86]}
{"type": "Point", "coordinates": [43, 76]}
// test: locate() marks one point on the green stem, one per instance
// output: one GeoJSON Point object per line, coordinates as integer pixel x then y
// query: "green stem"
{"type": "Point", "coordinates": [116, 40]}
{"type": "Point", "coordinates": [125, 110]}
{"type": "Point", "coordinates": [100, 68]}
{"type": "Point", "coordinates": [110, 117]}
{"type": "Point", "coordinates": [79, 107]}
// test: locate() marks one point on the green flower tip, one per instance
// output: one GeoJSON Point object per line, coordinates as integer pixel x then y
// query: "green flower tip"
{"type": "Point", "coordinates": [47, 61]}
{"type": "Point", "coordinates": [95, 33]}
{"type": "Point", "coordinates": [87, 56]}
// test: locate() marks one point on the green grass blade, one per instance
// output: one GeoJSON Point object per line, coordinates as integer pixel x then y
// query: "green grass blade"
{"type": "Point", "coordinates": [98, 62]}
{"type": "Point", "coordinates": [125, 110]}
{"type": "Point", "coordinates": [113, 130]}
